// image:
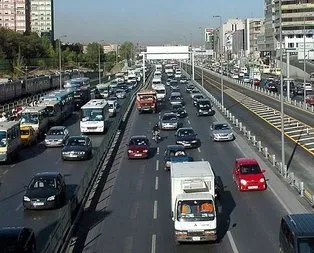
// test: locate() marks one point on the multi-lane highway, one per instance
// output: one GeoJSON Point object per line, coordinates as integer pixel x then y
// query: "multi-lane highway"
{"type": "Point", "coordinates": [133, 210]}
{"type": "Point", "coordinates": [32, 160]}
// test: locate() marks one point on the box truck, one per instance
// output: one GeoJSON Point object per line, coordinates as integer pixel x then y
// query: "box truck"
{"type": "Point", "coordinates": [193, 201]}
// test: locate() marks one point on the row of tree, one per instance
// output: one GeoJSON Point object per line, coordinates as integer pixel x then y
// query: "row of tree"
{"type": "Point", "coordinates": [30, 50]}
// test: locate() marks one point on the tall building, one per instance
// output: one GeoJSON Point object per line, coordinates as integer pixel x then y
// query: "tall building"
{"type": "Point", "coordinates": [252, 30]}
{"type": "Point", "coordinates": [296, 20]}
{"type": "Point", "coordinates": [225, 35]}
{"type": "Point", "coordinates": [209, 38]}
{"type": "Point", "coordinates": [271, 43]}
{"type": "Point", "coordinates": [42, 18]}
{"type": "Point", "coordinates": [14, 15]}
{"type": "Point", "coordinates": [238, 39]}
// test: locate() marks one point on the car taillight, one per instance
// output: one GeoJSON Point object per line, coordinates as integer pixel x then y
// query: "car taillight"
{"type": "Point", "coordinates": [130, 151]}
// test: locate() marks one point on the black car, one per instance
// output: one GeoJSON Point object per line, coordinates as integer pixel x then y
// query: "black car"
{"type": "Point", "coordinates": [271, 86]}
{"type": "Point", "coordinates": [196, 97]}
{"type": "Point", "coordinates": [187, 137]}
{"type": "Point", "coordinates": [17, 240]}
{"type": "Point", "coordinates": [179, 110]}
{"type": "Point", "coordinates": [204, 107]}
{"type": "Point", "coordinates": [77, 148]}
{"type": "Point", "coordinates": [174, 84]}
{"type": "Point", "coordinates": [46, 190]}
{"type": "Point", "coordinates": [190, 87]}
{"type": "Point", "coordinates": [123, 87]}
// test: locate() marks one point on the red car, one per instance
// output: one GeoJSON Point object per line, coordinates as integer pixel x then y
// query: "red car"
{"type": "Point", "coordinates": [248, 175]}
{"type": "Point", "coordinates": [138, 147]}
{"type": "Point", "coordinates": [309, 99]}
{"type": "Point", "coordinates": [256, 82]}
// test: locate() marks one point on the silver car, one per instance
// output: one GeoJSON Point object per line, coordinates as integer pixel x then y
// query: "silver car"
{"type": "Point", "coordinates": [169, 121]}
{"type": "Point", "coordinates": [56, 136]}
{"type": "Point", "coordinates": [221, 131]}
{"type": "Point", "coordinates": [120, 94]}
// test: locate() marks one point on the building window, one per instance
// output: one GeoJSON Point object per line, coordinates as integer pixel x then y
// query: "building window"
{"type": "Point", "coordinates": [290, 36]}
{"type": "Point", "coordinates": [299, 36]}
{"type": "Point", "coordinates": [290, 45]}
{"type": "Point", "coordinates": [296, 44]}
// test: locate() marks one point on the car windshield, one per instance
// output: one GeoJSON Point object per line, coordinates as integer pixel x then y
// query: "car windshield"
{"type": "Point", "coordinates": [204, 104]}
{"type": "Point", "coordinates": [191, 86]}
{"type": "Point", "coordinates": [76, 142]}
{"type": "Point", "coordinates": [177, 107]}
{"type": "Point", "coordinates": [92, 114]}
{"type": "Point", "coordinates": [195, 210]}
{"type": "Point", "coordinates": [169, 117]}
{"type": "Point", "coordinates": [173, 83]}
{"type": "Point", "coordinates": [161, 91]}
{"type": "Point", "coordinates": [221, 127]}
{"type": "Point", "coordinates": [250, 169]}
{"type": "Point", "coordinates": [43, 183]}
{"type": "Point", "coordinates": [306, 245]}
{"type": "Point", "coordinates": [24, 132]}
{"type": "Point", "coordinates": [138, 142]}
{"type": "Point", "coordinates": [3, 139]}
{"type": "Point", "coordinates": [186, 132]}
{"type": "Point", "coordinates": [55, 132]}
{"type": "Point", "coordinates": [177, 153]}
{"type": "Point", "coordinates": [175, 97]}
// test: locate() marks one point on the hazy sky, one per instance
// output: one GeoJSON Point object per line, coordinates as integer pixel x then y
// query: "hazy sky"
{"type": "Point", "coordinates": [145, 21]}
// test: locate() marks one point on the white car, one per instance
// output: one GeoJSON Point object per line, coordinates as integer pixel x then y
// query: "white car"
{"type": "Point", "coordinates": [234, 76]}
{"type": "Point", "coordinates": [246, 79]}
{"type": "Point", "coordinates": [308, 87]}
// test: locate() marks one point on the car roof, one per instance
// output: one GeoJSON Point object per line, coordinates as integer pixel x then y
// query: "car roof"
{"type": "Point", "coordinates": [220, 123]}
{"type": "Point", "coordinates": [10, 231]}
{"type": "Point", "coordinates": [50, 174]}
{"type": "Point", "coordinates": [57, 128]}
{"type": "Point", "coordinates": [301, 224]}
{"type": "Point", "coordinates": [246, 161]}
{"type": "Point", "coordinates": [175, 147]}
{"type": "Point", "coordinates": [139, 137]}
{"type": "Point", "coordinates": [185, 128]}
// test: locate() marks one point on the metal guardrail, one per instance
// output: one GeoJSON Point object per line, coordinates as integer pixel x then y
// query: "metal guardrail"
{"type": "Point", "coordinates": [265, 92]}
{"type": "Point", "coordinates": [57, 237]}
{"type": "Point", "coordinates": [296, 183]}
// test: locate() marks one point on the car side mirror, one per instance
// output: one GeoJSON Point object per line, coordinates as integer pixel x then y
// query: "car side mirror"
{"type": "Point", "coordinates": [263, 171]}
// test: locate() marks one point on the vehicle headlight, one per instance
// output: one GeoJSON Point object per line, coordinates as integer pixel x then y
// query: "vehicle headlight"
{"type": "Point", "coordinates": [210, 232]}
{"type": "Point", "coordinates": [216, 135]}
{"type": "Point", "coordinates": [81, 153]}
{"type": "Point", "coordinates": [194, 141]}
{"type": "Point", "coordinates": [262, 180]}
{"type": "Point", "coordinates": [181, 233]}
{"type": "Point", "coordinates": [65, 153]}
{"type": "Point", "coordinates": [60, 140]}
{"type": "Point", "coordinates": [145, 150]}
{"type": "Point", "coordinates": [27, 199]}
{"type": "Point", "coordinates": [230, 134]}
{"type": "Point", "coordinates": [51, 198]}
{"type": "Point", "coordinates": [243, 182]}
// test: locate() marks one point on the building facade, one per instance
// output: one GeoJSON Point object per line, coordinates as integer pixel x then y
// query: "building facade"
{"type": "Point", "coordinates": [209, 38]}
{"type": "Point", "coordinates": [238, 38]}
{"type": "Point", "coordinates": [251, 31]}
{"type": "Point", "coordinates": [225, 33]}
{"type": "Point", "coordinates": [42, 18]}
{"type": "Point", "coordinates": [15, 15]}
{"type": "Point", "coordinates": [297, 22]}
{"type": "Point", "coordinates": [271, 43]}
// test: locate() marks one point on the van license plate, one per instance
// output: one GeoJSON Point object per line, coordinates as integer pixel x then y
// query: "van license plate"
{"type": "Point", "coordinates": [196, 238]}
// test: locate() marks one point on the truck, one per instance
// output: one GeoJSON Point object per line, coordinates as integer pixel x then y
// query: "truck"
{"type": "Point", "coordinates": [193, 208]}
{"type": "Point", "coordinates": [146, 100]}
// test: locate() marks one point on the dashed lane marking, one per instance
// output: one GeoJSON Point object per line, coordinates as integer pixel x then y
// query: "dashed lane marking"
{"type": "Point", "coordinates": [199, 150]}
{"type": "Point", "coordinates": [153, 250]}
{"type": "Point", "coordinates": [155, 209]}
{"type": "Point", "coordinates": [18, 208]}
{"type": "Point", "coordinates": [157, 165]}
{"type": "Point", "coordinates": [157, 150]}
{"type": "Point", "coordinates": [232, 243]}
{"type": "Point", "coordinates": [5, 172]}
{"type": "Point", "coordinates": [156, 183]}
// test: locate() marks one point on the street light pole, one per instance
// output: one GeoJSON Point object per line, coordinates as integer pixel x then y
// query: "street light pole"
{"type": "Point", "coordinates": [221, 68]}
{"type": "Point", "coordinates": [60, 62]}
{"type": "Point", "coordinates": [281, 95]}
{"type": "Point", "coordinates": [202, 60]}
{"type": "Point", "coordinates": [99, 68]}
{"type": "Point", "coordinates": [304, 63]}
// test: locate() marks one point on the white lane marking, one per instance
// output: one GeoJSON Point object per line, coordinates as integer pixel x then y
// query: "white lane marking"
{"type": "Point", "coordinates": [5, 172]}
{"type": "Point", "coordinates": [153, 243]}
{"type": "Point", "coordinates": [128, 244]}
{"type": "Point", "coordinates": [157, 150]}
{"type": "Point", "coordinates": [199, 150]}
{"type": "Point", "coordinates": [18, 208]}
{"type": "Point", "coordinates": [157, 165]}
{"type": "Point", "coordinates": [155, 209]}
{"type": "Point", "coordinates": [189, 122]}
{"type": "Point", "coordinates": [156, 183]}
{"type": "Point", "coordinates": [11, 166]}
{"type": "Point", "coordinates": [271, 188]}
{"type": "Point", "coordinates": [134, 210]}
{"type": "Point", "coordinates": [232, 243]}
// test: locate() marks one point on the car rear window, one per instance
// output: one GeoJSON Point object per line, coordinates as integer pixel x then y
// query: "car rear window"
{"type": "Point", "coordinates": [250, 169]}
{"type": "Point", "coordinates": [221, 127]}
{"type": "Point", "coordinates": [169, 117]}
{"type": "Point", "coordinates": [139, 142]}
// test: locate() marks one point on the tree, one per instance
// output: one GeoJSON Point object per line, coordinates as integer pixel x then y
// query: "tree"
{"type": "Point", "coordinates": [92, 55]}
{"type": "Point", "coordinates": [126, 50]}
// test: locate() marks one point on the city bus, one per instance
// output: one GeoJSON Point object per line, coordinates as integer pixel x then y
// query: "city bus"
{"type": "Point", "coordinates": [36, 117]}
{"type": "Point", "coordinates": [94, 116]}
{"type": "Point", "coordinates": [10, 140]}
{"type": "Point", "coordinates": [81, 90]}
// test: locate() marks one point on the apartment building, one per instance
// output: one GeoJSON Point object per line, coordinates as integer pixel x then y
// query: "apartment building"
{"type": "Point", "coordinates": [271, 42]}
{"type": "Point", "coordinates": [297, 20]}
{"type": "Point", "coordinates": [252, 29]}
{"type": "Point", "coordinates": [15, 15]}
{"type": "Point", "coordinates": [42, 18]}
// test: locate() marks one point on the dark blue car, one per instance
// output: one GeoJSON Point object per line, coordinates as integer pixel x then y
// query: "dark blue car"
{"type": "Point", "coordinates": [175, 154]}
{"type": "Point", "coordinates": [186, 137]}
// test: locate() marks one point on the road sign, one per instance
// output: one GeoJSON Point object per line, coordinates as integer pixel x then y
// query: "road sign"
{"type": "Point", "coordinates": [167, 52]}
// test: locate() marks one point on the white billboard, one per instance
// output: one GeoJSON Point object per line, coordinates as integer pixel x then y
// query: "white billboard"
{"type": "Point", "coordinates": [309, 51]}
{"type": "Point", "coordinates": [167, 52]}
